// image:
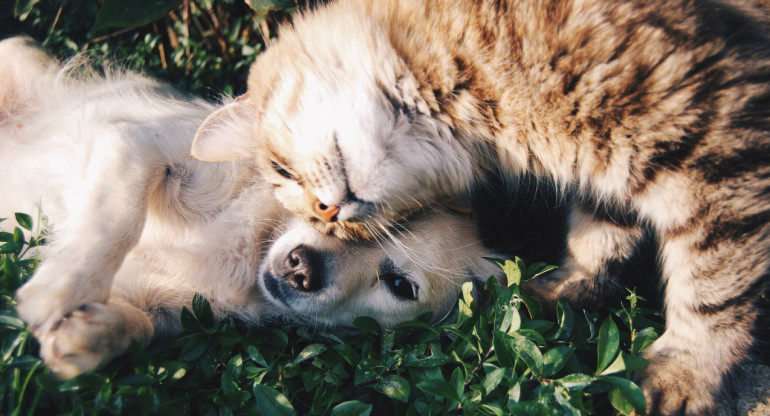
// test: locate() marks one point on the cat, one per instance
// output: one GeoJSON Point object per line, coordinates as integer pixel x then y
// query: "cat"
{"type": "Point", "coordinates": [137, 228]}
{"type": "Point", "coordinates": [643, 115]}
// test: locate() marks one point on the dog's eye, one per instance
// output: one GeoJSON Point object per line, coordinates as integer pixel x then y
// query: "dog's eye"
{"type": "Point", "coordinates": [282, 171]}
{"type": "Point", "coordinates": [400, 286]}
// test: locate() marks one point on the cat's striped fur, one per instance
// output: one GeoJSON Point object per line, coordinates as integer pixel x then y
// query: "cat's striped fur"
{"type": "Point", "coordinates": [644, 114]}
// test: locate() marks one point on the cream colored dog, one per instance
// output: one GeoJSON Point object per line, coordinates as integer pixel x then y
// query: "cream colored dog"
{"type": "Point", "coordinates": [137, 227]}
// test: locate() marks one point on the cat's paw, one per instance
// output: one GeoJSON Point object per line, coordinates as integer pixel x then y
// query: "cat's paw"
{"type": "Point", "coordinates": [90, 336]}
{"type": "Point", "coordinates": [674, 388]}
{"type": "Point", "coordinates": [542, 290]}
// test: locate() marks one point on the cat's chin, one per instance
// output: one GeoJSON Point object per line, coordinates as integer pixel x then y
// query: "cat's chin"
{"type": "Point", "coordinates": [344, 230]}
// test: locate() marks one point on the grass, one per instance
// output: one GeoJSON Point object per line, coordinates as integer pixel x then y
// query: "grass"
{"type": "Point", "coordinates": [500, 357]}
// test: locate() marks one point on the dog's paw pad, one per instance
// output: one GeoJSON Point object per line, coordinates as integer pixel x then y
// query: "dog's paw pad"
{"type": "Point", "coordinates": [83, 340]}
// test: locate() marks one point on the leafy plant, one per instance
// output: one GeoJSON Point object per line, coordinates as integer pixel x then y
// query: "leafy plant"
{"type": "Point", "coordinates": [500, 356]}
{"type": "Point", "coordinates": [202, 46]}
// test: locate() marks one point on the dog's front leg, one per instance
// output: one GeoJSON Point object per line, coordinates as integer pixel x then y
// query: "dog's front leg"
{"type": "Point", "coordinates": [105, 222]}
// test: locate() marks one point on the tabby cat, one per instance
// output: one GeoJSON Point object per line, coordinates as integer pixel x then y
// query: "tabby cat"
{"type": "Point", "coordinates": [642, 114]}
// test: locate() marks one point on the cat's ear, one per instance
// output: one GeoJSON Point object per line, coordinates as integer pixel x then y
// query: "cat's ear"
{"type": "Point", "coordinates": [227, 134]}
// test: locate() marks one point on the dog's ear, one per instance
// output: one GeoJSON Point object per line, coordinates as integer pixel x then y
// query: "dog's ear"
{"type": "Point", "coordinates": [24, 64]}
{"type": "Point", "coordinates": [227, 134]}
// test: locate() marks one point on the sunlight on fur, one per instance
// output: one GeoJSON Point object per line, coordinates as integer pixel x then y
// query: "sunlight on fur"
{"type": "Point", "coordinates": [138, 227]}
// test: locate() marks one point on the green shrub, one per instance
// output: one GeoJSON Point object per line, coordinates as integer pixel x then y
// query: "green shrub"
{"type": "Point", "coordinates": [202, 46]}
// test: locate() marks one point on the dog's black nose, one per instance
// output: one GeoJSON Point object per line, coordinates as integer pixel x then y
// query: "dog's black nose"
{"type": "Point", "coordinates": [302, 269]}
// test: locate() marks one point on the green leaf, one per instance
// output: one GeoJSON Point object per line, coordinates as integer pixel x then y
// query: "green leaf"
{"type": "Point", "coordinates": [9, 248]}
{"type": "Point", "coordinates": [265, 6]}
{"type": "Point", "coordinates": [18, 236]}
{"type": "Point", "coordinates": [189, 321]}
{"type": "Point", "coordinates": [228, 337]}
{"type": "Point", "coordinates": [507, 320]}
{"type": "Point", "coordinates": [514, 393]}
{"type": "Point", "coordinates": [493, 409]}
{"type": "Point", "coordinates": [533, 335]}
{"type": "Point", "coordinates": [503, 349]}
{"type": "Point", "coordinates": [533, 306]}
{"type": "Point", "coordinates": [256, 356]}
{"type": "Point", "coordinates": [348, 353]}
{"type": "Point", "coordinates": [643, 339]}
{"type": "Point", "coordinates": [532, 409]}
{"type": "Point", "coordinates": [367, 324]}
{"type": "Point", "coordinates": [202, 310]}
{"type": "Point", "coordinates": [515, 321]}
{"type": "Point", "coordinates": [439, 388]}
{"type": "Point", "coordinates": [635, 363]}
{"type": "Point", "coordinates": [120, 13]}
{"type": "Point", "coordinates": [609, 344]}
{"type": "Point", "coordinates": [270, 401]}
{"type": "Point", "coordinates": [524, 349]}
{"type": "Point", "coordinates": [467, 290]}
{"type": "Point", "coordinates": [575, 381]}
{"type": "Point", "coordinates": [230, 388]}
{"type": "Point", "coordinates": [312, 350]}
{"type": "Point", "coordinates": [510, 268]}
{"type": "Point", "coordinates": [436, 359]}
{"type": "Point", "coordinates": [24, 220]}
{"type": "Point", "coordinates": [625, 396]}
{"type": "Point", "coordinates": [193, 349]}
{"type": "Point", "coordinates": [625, 363]}
{"type": "Point", "coordinates": [135, 380]}
{"type": "Point", "coordinates": [457, 381]}
{"type": "Point", "coordinates": [492, 380]}
{"type": "Point", "coordinates": [419, 324]}
{"type": "Point", "coordinates": [563, 402]}
{"type": "Point", "coordinates": [352, 408]}
{"type": "Point", "coordinates": [394, 387]}
{"type": "Point", "coordinates": [536, 269]}
{"type": "Point", "coordinates": [555, 359]}
{"type": "Point", "coordinates": [22, 8]}
{"type": "Point", "coordinates": [566, 320]}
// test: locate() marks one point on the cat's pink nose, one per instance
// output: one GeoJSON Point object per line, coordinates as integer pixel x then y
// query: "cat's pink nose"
{"type": "Point", "coordinates": [326, 212]}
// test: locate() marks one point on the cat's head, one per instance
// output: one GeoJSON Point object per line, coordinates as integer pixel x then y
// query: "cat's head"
{"type": "Point", "coordinates": [337, 125]}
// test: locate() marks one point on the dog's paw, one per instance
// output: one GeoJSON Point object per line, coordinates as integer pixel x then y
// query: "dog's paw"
{"type": "Point", "coordinates": [674, 388]}
{"type": "Point", "coordinates": [41, 306]}
{"type": "Point", "coordinates": [55, 291]}
{"type": "Point", "coordinates": [90, 336]}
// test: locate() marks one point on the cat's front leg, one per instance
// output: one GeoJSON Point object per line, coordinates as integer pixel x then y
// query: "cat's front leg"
{"type": "Point", "coordinates": [598, 248]}
{"type": "Point", "coordinates": [712, 290]}
{"type": "Point", "coordinates": [92, 335]}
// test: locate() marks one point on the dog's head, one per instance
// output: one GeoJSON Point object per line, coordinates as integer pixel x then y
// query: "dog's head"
{"type": "Point", "coordinates": [420, 267]}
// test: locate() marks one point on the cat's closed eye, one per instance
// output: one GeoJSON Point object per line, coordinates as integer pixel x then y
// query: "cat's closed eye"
{"type": "Point", "coordinates": [281, 170]}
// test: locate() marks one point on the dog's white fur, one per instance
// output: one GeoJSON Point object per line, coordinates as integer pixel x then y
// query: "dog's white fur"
{"type": "Point", "coordinates": [139, 227]}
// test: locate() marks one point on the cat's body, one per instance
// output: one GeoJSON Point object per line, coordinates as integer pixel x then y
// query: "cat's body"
{"type": "Point", "coordinates": [642, 113]}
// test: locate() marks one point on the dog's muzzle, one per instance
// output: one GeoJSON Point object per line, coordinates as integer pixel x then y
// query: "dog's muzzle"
{"type": "Point", "coordinates": [300, 274]}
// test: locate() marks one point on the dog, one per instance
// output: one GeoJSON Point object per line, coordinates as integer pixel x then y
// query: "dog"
{"type": "Point", "coordinates": [135, 227]}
